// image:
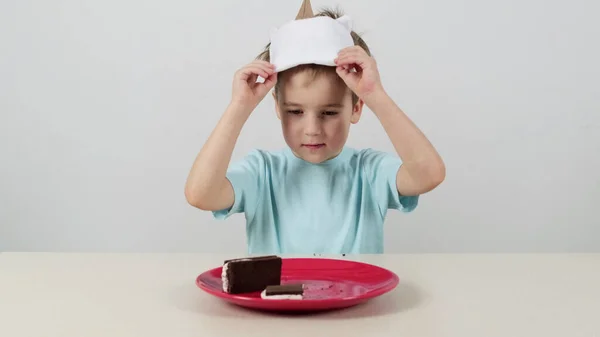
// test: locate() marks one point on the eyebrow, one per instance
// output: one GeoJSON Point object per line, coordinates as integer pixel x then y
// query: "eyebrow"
{"type": "Point", "coordinates": [330, 105]}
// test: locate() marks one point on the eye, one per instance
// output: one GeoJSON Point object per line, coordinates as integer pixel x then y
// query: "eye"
{"type": "Point", "coordinates": [295, 112]}
{"type": "Point", "coordinates": [330, 113]}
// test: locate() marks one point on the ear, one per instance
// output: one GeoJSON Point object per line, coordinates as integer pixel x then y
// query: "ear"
{"type": "Point", "coordinates": [357, 111]}
{"type": "Point", "coordinates": [277, 111]}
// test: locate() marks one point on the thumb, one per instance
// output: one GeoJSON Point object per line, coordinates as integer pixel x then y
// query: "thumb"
{"type": "Point", "coordinates": [349, 77]}
{"type": "Point", "coordinates": [270, 81]}
{"type": "Point", "coordinates": [268, 84]}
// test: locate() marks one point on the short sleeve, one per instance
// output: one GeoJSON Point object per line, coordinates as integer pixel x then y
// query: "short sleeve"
{"type": "Point", "coordinates": [245, 177]}
{"type": "Point", "coordinates": [382, 169]}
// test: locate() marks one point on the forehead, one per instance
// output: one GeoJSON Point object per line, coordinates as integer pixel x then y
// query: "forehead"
{"type": "Point", "coordinates": [313, 87]}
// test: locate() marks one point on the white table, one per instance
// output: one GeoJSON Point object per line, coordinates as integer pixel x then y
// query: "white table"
{"type": "Point", "coordinates": [44, 294]}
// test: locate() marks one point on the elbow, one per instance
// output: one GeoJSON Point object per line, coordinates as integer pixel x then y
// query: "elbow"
{"type": "Point", "coordinates": [429, 175]}
{"type": "Point", "coordinates": [195, 199]}
{"type": "Point", "coordinates": [437, 174]}
{"type": "Point", "coordinates": [208, 196]}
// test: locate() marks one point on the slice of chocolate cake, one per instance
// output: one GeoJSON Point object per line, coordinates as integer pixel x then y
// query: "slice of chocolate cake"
{"type": "Point", "coordinates": [246, 275]}
{"type": "Point", "coordinates": [283, 292]}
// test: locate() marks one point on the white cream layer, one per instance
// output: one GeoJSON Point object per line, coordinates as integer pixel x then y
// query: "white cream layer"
{"type": "Point", "coordinates": [264, 296]}
{"type": "Point", "coordinates": [224, 277]}
{"type": "Point", "coordinates": [224, 273]}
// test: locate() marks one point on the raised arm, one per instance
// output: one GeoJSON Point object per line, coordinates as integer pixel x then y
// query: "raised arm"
{"type": "Point", "coordinates": [422, 167]}
{"type": "Point", "coordinates": [207, 186]}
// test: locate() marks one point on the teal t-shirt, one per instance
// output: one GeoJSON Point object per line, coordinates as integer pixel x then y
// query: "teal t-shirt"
{"type": "Point", "coordinates": [296, 207]}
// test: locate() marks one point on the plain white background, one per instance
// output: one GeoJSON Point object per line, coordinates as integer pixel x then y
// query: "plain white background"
{"type": "Point", "coordinates": [105, 104]}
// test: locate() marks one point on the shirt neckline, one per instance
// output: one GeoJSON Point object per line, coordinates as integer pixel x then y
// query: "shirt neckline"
{"type": "Point", "coordinates": [339, 158]}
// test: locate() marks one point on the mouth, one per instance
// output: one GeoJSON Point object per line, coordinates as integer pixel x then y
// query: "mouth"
{"type": "Point", "coordinates": [313, 146]}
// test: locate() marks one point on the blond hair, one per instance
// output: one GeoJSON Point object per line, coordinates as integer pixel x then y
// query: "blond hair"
{"type": "Point", "coordinates": [315, 69]}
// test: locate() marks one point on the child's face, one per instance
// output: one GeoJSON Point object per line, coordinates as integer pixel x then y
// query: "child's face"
{"type": "Point", "coordinates": [316, 113]}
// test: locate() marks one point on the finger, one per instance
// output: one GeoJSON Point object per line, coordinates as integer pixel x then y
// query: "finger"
{"type": "Point", "coordinates": [247, 75]}
{"type": "Point", "coordinates": [356, 50]}
{"type": "Point", "coordinates": [347, 75]}
{"type": "Point", "coordinates": [263, 64]}
{"type": "Point", "coordinates": [351, 60]}
{"type": "Point", "coordinates": [270, 81]}
{"type": "Point", "coordinates": [353, 53]}
{"type": "Point", "coordinates": [265, 81]}
{"type": "Point", "coordinates": [245, 71]}
{"type": "Point", "coordinates": [260, 64]}
{"type": "Point", "coordinates": [349, 54]}
{"type": "Point", "coordinates": [349, 78]}
{"type": "Point", "coordinates": [263, 88]}
{"type": "Point", "coordinates": [351, 67]}
{"type": "Point", "coordinates": [353, 56]}
{"type": "Point", "coordinates": [263, 67]}
{"type": "Point", "coordinates": [267, 68]}
{"type": "Point", "coordinates": [249, 71]}
{"type": "Point", "coordinates": [342, 71]}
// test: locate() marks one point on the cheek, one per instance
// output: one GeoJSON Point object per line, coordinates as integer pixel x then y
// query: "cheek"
{"type": "Point", "coordinates": [337, 127]}
{"type": "Point", "coordinates": [290, 124]}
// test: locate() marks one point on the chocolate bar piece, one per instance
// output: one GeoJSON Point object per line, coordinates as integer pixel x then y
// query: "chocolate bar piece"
{"type": "Point", "coordinates": [246, 275]}
{"type": "Point", "coordinates": [287, 291]}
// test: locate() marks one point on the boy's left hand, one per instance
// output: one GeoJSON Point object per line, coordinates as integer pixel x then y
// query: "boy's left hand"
{"type": "Point", "coordinates": [365, 79]}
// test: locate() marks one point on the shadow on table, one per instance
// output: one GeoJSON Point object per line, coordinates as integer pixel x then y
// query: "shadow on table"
{"type": "Point", "coordinates": [406, 296]}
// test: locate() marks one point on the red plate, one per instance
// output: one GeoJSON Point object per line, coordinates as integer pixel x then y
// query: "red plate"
{"type": "Point", "coordinates": [329, 284]}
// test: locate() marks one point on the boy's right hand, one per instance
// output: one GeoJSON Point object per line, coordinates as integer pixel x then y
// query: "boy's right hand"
{"type": "Point", "coordinates": [246, 91]}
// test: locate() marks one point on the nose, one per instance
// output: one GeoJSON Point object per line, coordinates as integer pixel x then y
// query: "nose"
{"type": "Point", "coordinates": [312, 126]}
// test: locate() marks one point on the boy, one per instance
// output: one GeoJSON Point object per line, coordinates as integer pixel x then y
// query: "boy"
{"type": "Point", "coordinates": [316, 195]}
